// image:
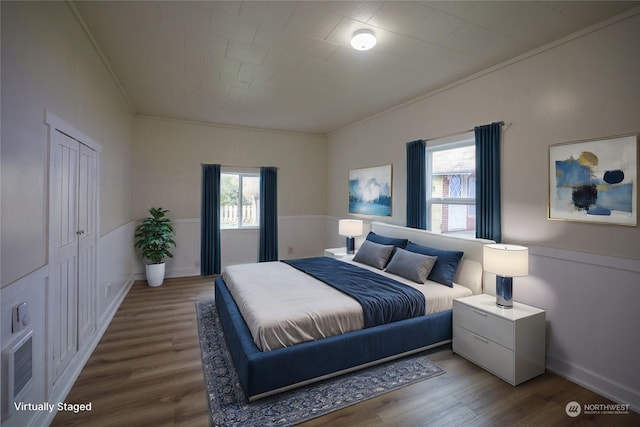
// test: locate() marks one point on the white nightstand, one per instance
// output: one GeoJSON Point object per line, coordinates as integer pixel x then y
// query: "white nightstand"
{"type": "Point", "coordinates": [337, 253]}
{"type": "Point", "coordinates": [510, 343]}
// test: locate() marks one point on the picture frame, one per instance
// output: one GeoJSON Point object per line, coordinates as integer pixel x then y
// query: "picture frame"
{"type": "Point", "coordinates": [595, 181]}
{"type": "Point", "coordinates": [370, 191]}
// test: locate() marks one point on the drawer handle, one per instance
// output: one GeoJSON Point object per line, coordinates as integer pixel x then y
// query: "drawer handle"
{"type": "Point", "coordinates": [481, 313]}
{"type": "Point", "coordinates": [484, 340]}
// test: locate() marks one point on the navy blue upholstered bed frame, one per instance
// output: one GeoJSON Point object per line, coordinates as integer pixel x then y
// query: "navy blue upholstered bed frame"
{"type": "Point", "coordinates": [265, 373]}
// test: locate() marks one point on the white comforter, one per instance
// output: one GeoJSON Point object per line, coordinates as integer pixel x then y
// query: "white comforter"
{"type": "Point", "coordinates": [283, 306]}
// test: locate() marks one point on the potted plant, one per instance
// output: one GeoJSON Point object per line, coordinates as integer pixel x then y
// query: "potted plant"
{"type": "Point", "coordinates": [155, 237]}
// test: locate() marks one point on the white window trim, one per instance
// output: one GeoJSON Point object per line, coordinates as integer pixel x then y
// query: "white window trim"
{"type": "Point", "coordinates": [441, 144]}
{"type": "Point", "coordinates": [240, 172]}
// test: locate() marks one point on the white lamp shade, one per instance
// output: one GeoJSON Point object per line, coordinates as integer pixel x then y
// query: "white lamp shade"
{"type": "Point", "coordinates": [506, 260]}
{"type": "Point", "coordinates": [350, 227]}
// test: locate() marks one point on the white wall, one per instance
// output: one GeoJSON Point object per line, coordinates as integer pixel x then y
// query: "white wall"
{"type": "Point", "coordinates": [49, 64]}
{"type": "Point", "coordinates": [580, 88]}
{"type": "Point", "coordinates": [168, 157]}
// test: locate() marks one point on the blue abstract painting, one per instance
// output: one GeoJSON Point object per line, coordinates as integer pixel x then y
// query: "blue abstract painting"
{"type": "Point", "coordinates": [370, 191]}
{"type": "Point", "coordinates": [594, 181]}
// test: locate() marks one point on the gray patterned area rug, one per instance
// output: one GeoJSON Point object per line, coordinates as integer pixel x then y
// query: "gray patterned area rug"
{"type": "Point", "coordinates": [229, 407]}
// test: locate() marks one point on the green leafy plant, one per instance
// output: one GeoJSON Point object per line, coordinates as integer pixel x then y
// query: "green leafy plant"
{"type": "Point", "coordinates": [155, 236]}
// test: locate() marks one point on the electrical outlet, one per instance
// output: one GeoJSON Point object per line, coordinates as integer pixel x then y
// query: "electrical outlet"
{"type": "Point", "coordinates": [289, 250]}
{"type": "Point", "coordinates": [108, 290]}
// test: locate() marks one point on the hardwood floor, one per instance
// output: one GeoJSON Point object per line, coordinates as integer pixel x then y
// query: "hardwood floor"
{"type": "Point", "coordinates": [146, 371]}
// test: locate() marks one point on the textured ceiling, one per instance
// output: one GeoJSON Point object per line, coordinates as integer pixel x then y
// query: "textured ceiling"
{"type": "Point", "coordinates": [288, 65]}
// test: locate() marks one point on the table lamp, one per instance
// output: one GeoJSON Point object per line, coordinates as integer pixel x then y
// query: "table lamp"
{"type": "Point", "coordinates": [506, 262]}
{"type": "Point", "coordinates": [350, 228]}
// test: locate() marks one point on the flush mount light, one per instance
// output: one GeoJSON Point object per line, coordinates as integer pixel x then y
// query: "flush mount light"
{"type": "Point", "coordinates": [363, 40]}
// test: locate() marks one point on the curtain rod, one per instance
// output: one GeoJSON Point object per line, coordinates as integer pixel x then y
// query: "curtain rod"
{"type": "Point", "coordinates": [238, 166]}
{"type": "Point", "coordinates": [501, 123]}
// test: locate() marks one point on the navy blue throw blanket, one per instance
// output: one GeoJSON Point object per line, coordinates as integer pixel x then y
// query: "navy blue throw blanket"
{"type": "Point", "coordinates": [383, 300]}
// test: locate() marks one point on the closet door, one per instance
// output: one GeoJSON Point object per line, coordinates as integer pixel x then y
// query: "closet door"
{"type": "Point", "coordinates": [73, 248]}
{"type": "Point", "coordinates": [63, 259]}
{"type": "Point", "coordinates": [87, 244]}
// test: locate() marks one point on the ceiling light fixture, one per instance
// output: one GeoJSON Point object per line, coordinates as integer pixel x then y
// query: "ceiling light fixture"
{"type": "Point", "coordinates": [363, 40]}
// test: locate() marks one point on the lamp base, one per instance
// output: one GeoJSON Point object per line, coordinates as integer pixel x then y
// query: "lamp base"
{"type": "Point", "coordinates": [351, 245]}
{"type": "Point", "coordinates": [504, 291]}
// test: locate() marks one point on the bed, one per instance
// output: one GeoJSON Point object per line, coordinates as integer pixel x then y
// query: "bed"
{"type": "Point", "coordinates": [267, 365]}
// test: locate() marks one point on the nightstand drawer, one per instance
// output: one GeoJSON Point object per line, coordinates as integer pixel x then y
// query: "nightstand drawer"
{"type": "Point", "coordinates": [485, 324]}
{"type": "Point", "coordinates": [485, 353]}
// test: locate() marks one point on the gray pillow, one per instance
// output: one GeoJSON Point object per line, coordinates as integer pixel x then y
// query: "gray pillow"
{"type": "Point", "coordinates": [373, 254]}
{"type": "Point", "coordinates": [411, 265]}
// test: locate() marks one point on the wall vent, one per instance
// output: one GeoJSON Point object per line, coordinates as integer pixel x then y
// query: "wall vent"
{"type": "Point", "coordinates": [18, 363]}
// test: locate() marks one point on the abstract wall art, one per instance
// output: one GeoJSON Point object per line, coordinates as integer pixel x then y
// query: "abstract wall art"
{"type": "Point", "coordinates": [595, 181]}
{"type": "Point", "coordinates": [370, 191]}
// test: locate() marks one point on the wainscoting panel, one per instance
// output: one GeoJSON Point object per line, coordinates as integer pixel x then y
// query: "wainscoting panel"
{"type": "Point", "coordinates": [116, 254]}
{"type": "Point", "coordinates": [31, 289]}
{"type": "Point", "coordinates": [299, 236]}
{"type": "Point", "coordinates": [239, 246]}
{"type": "Point", "coordinates": [592, 318]}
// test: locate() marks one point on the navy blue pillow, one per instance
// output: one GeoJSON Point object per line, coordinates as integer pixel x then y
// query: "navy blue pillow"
{"type": "Point", "coordinates": [444, 271]}
{"type": "Point", "coordinates": [382, 240]}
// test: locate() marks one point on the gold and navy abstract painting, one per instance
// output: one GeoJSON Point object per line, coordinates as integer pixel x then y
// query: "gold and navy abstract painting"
{"type": "Point", "coordinates": [594, 181]}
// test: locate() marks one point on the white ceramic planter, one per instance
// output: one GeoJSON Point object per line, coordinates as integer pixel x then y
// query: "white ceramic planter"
{"type": "Point", "coordinates": [155, 274]}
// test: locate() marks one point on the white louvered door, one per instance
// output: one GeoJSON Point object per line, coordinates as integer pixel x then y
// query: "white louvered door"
{"type": "Point", "coordinates": [64, 255]}
{"type": "Point", "coordinates": [73, 243]}
{"type": "Point", "coordinates": [87, 245]}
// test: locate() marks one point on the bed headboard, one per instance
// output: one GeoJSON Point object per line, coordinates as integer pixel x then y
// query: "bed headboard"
{"type": "Point", "coordinates": [470, 272]}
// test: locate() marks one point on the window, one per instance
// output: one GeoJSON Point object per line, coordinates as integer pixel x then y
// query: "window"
{"type": "Point", "coordinates": [451, 176]}
{"type": "Point", "coordinates": [239, 200]}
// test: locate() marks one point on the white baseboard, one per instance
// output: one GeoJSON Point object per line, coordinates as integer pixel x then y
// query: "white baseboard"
{"type": "Point", "coordinates": [182, 272]}
{"type": "Point", "coordinates": [594, 382]}
{"type": "Point", "coordinates": [111, 310]}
